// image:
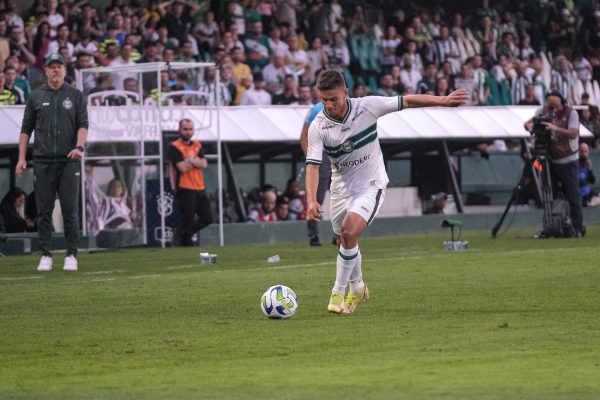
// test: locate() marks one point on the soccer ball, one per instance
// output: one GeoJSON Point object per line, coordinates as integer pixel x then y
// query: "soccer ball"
{"type": "Point", "coordinates": [279, 302]}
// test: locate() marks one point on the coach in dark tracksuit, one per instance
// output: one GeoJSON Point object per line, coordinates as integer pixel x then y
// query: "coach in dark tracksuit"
{"type": "Point", "coordinates": [57, 113]}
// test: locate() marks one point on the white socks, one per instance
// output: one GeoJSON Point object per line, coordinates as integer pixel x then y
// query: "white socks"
{"type": "Point", "coordinates": [346, 263]}
{"type": "Point", "coordinates": [356, 282]}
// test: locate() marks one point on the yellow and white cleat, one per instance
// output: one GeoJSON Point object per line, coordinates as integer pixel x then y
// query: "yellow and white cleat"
{"type": "Point", "coordinates": [353, 300]}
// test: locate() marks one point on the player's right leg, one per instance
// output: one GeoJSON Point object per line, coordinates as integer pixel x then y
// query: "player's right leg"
{"type": "Point", "coordinates": [367, 205]}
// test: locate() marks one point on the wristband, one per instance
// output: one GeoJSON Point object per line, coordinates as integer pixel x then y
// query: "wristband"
{"type": "Point", "coordinates": [80, 148]}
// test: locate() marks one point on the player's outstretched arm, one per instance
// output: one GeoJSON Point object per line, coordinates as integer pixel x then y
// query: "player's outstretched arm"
{"type": "Point", "coordinates": [454, 99]}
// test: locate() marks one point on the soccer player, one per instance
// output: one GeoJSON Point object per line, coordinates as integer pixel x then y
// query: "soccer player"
{"type": "Point", "coordinates": [346, 130]}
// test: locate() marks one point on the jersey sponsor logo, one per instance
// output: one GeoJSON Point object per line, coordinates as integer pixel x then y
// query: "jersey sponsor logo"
{"type": "Point", "coordinates": [347, 146]}
{"type": "Point", "coordinates": [364, 208]}
{"type": "Point", "coordinates": [352, 163]}
{"type": "Point", "coordinates": [67, 104]}
{"type": "Point", "coordinates": [328, 127]}
{"type": "Point", "coordinates": [357, 115]}
{"type": "Point", "coordinates": [346, 129]}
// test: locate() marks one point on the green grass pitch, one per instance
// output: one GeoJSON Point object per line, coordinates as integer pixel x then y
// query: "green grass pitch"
{"type": "Point", "coordinates": [511, 318]}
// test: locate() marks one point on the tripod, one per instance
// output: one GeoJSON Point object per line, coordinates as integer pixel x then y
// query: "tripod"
{"type": "Point", "coordinates": [538, 162]}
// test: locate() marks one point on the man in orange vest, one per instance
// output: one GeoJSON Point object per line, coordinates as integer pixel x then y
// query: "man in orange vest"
{"type": "Point", "coordinates": [187, 162]}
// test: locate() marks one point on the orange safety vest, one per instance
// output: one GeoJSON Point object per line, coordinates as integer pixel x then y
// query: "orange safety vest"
{"type": "Point", "coordinates": [192, 179]}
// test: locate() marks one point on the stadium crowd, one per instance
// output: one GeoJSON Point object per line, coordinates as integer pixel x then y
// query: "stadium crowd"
{"type": "Point", "coordinates": [269, 51]}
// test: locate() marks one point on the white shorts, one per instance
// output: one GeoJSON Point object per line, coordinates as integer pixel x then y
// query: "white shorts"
{"type": "Point", "coordinates": [366, 204]}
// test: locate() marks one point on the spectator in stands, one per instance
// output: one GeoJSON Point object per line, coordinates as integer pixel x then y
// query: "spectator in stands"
{"type": "Point", "coordinates": [227, 81]}
{"type": "Point", "coordinates": [103, 83]}
{"type": "Point", "coordinates": [317, 56]}
{"type": "Point", "coordinates": [443, 88]}
{"type": "Point", "coordinates": [446, 49]}
{"type": "Point", "coordinates": [275, 42]}
{"type": "Point", "coordinates": [582, 67]}
{"type": "Point", "coordinates": [256, 95]}
{"type": "Point", "coordinates": [299, 61]}
{"type": "Point", "coordinates": [507, 47]}
{"type": "Point", "coordinates": [413, 53]}
{"type": "Point", "coordinates": [21, 77]}
{"type": "Point", "coordinates": [175, 19]}
{"type": "Point", "coordinates": [563, 79]}
{"type": "Point", "coordinates": [62, 39]}
{"type": "Point", "coordinates": [525, 50]}
{"type": "Point", "coordinates": [359, 90]}
{"type": "Point", "coordinates": [10, 75]}
{"type": "Point", "coordinates": [466, 81]}
{"type": "Point", "coordinates": [438, 203]}
{"type": "Point", "coordinates": [4, 43]}
{"type": "Point", "coordinates": [529, 99]}
{"type": "Point", "coordinates": [428, 83]}
{"type": "Point", "coordinates": [388, 46]}
{"type": "Point", "coordinates": [535, 76]}
{"type": "Point", "coordinates": [289, 94]}
{"type": "Point", "coordinates": [257, 47]}
{"type": "Point", "coordinates": [409, 76]}
{"type": "Point", "coordinates": [266, 211]}
{"type": "Point", "coordinates": [337, 53]}
{"type": "Point", "coordinates": [282, 209]}
{"type": "Point", "coordinates": [207, 34]}
{"type": "Point", "coordinates": [12, 209]}
{"type": "Point", "coordinates": [589, 118]}
{"type": "Point", "coordinates": [304, 95]}
{"type": "Point", "coordinates": [87, 45]}
{"type": "Point", "coordinates": [519, 82]}
{"type": "Point", "coordinates": [296, 198]}
{"type": "Point", "coordinates": [586, 175]}
{"type": "Point", "coordinates": [124, 59]}
{"type": "Point", "coordinates": [386, 86]}
{"type": "Point", "coordinates": [481, 80]}
{"type": "Point", "coordinates": [7, 98]}
{"type": "Point", "coordinates": [275, 72]}
{"type": "Point", "coordinates": [18, 44]}
{"type": "Point", "coordinates": [207, 87]}
{"type": "Point", "coordinates": [242, 75]}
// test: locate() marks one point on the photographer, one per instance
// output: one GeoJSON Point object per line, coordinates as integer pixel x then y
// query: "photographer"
{"type": "Point", "coordinates": [561, 134]}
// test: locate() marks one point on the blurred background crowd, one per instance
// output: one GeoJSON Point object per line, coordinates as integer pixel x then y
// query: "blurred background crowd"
{"type": "Point", "coordinates": [269, 51]}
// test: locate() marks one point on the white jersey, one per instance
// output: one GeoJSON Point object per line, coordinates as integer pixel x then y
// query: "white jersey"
{"type": "Point", "coordinates": [352, 145]}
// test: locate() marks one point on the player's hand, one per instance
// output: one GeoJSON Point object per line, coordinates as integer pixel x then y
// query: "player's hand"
{"type": "Point", "coordinates": [21, 165]}
{"type": "Point", "coordinates": [314, 211]}
{"type": "Point", "coordinates": [456, 98]}
{"type": "Point", "coordinates": [75, 154]}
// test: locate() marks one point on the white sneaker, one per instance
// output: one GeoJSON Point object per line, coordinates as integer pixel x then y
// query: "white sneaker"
{"type": "Point", "coordinates": [45, 264]}
{"type": "Point", "coordinates": [70, 264]}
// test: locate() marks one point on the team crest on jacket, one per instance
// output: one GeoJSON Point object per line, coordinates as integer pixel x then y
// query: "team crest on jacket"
{"type": "Point", "coordinates": [67, 104]}
{"type": "Point", "coordinates": [348, 146]}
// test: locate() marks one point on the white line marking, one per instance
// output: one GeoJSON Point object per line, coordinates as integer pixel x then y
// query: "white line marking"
{"type": "Point", "coordinates": [145, 276]}
{"type": "Point", "coordinates": [184, 266]}
{"type": "Point", "coordinates": [22, 278]}
{"type": "Point", "coordinates": [116, 271]}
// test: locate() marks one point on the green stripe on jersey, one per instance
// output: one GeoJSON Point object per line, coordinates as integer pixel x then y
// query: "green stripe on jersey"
{"type": "Point", "coordinates": [356, 146]}
{"type": "Point", "coordinates": [353, 138]}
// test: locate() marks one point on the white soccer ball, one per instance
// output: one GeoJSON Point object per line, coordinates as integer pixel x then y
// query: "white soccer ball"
{"type": "Point", "coordinates": [279, 302]}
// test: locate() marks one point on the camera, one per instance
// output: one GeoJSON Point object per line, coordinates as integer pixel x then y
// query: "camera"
{"type": "Point", "coordinates": [541, 134]}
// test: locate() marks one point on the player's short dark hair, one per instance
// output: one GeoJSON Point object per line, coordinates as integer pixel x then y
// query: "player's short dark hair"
{"type": "Point", "coordinates": [330, 79]}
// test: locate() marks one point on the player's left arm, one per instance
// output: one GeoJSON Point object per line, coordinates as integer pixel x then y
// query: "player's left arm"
{"type": "Point", "coordinates": [454, 99]}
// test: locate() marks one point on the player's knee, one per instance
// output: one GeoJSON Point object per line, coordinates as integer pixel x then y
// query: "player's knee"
{"type": "Point", "coordinates": [348, 238]}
